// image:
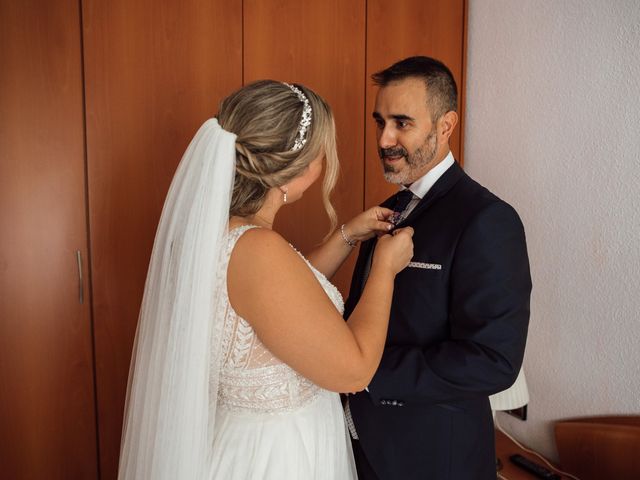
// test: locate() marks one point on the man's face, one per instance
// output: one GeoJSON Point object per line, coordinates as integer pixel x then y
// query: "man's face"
{"type": "Point", "coordinates": [407, 137]}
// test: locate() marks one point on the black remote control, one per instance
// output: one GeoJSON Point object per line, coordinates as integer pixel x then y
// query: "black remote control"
{"type": "Point", "coordinates": [534, 468]}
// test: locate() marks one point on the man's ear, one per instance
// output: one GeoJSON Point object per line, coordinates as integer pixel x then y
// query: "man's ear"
{"type": "Point", "coordinates": [446, 125]}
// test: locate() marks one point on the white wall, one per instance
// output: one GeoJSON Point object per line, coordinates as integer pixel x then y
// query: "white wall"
{"type": "Point", "coordinates": [553, 127]}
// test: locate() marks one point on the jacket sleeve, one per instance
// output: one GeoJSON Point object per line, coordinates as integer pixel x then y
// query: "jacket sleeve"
{"type": "Point", "coordinates": [488, 316]}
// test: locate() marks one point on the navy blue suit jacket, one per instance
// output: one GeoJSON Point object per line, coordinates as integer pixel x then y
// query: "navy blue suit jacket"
{"type": "Point", "coordinates": [457, 334]}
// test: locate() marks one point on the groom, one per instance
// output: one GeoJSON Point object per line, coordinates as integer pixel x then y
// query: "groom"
{"type": "Point", "coordinates": [460, 309]}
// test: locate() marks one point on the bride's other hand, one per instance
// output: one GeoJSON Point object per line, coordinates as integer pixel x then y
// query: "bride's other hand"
{"type": "Point", "coordinates": [369, 223]}
{"type": "Point", "coordinates": [395, 251]}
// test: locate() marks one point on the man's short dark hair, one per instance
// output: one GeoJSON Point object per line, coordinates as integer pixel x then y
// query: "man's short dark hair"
{"type": "Point", "coordinates": [442, 93]}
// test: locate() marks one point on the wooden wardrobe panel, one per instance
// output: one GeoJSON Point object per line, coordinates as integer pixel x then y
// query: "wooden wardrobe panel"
{"type": "Point", "coordinates": [321, 45]}
{"type": "Point", "coordinates": [155, 71]}
{"type": "Point", "coordinates": [396, 30]}
{"type": "Point", "coordinates": [47, 404]}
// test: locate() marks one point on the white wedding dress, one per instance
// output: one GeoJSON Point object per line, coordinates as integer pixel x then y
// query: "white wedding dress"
{"type": "Point", "coordinates": [271, 422]}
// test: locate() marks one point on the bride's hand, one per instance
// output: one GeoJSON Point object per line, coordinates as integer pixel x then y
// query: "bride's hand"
{"type": "Point", "coordinates": [369, 223]}
{"type": "Point", "coordinates": [395, 251]}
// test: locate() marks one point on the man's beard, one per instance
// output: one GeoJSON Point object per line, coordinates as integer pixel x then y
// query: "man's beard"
{"type": "Point", "coordinates": [415, 162]}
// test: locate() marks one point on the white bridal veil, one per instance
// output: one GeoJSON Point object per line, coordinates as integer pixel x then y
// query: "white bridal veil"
{"type": "Point", "coordinates": [173, 380]}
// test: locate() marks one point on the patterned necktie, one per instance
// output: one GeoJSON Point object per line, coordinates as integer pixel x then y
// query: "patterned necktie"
{"type": "Point", "coordinates": [403, 197]}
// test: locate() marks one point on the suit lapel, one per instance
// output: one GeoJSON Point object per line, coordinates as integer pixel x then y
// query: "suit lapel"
{"type": "Point", "coordinates": [440, 188]}
{"type": "Point", "coordinates": [366, 254]}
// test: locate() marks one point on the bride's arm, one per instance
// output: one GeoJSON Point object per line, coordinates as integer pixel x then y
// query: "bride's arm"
{"type": "Point", "coordinates": [332, 253]}
{"type": "Point", "coordinates": [275, 291]}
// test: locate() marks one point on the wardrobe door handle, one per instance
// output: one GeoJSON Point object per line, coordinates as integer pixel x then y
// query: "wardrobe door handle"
{"type": "Point", "coordinates": [80, 279]}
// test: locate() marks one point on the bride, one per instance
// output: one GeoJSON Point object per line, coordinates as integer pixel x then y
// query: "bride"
{"type": "Point", "coordinates": [241, 346]}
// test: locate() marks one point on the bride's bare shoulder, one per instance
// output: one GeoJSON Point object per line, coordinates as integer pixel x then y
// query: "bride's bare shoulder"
{"type": "Point", "coordinates": [264, 273]}
{"type": "Point", "coordinates": [260, 248]}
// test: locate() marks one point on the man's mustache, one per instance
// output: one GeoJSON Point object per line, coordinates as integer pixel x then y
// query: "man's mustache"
{"type": "Point", "coordinates": [392, 152]}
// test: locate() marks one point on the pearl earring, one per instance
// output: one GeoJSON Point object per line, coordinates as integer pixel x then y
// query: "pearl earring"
{"type": "Point", "coordinates": [284, 193]}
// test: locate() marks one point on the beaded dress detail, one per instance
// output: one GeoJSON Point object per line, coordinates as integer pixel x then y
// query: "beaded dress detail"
{"type": "Point", "coordinates": [271, 422]}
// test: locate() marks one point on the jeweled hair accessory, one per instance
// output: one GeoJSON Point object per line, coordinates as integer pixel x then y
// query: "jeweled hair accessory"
{"type": "Point", "coordinates": [305, 121]}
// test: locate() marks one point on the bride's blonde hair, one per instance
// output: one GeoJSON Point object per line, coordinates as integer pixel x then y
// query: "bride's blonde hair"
{"type": "Point", "coordinates": [265, 116]}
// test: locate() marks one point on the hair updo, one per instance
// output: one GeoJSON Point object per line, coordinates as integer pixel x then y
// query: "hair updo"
{"type": "Point", "coordinates": [265, 116]}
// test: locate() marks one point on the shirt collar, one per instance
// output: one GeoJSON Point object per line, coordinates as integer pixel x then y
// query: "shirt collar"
{"type": "Point", "coordinates": [421, 186]}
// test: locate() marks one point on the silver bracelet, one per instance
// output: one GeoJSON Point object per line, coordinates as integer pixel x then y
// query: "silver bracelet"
{"type": "Point", "coordinates": [347, 240]}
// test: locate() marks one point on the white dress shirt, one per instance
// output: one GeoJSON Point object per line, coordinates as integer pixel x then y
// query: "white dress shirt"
{"type": "Point", "coordinates": [420, 187]}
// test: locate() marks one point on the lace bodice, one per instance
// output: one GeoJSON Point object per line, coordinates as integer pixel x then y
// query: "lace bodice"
{"type": "Point", "coordinates": [252, 379]}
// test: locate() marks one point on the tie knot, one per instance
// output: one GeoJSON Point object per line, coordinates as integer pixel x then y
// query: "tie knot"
{"type": "Point", "coordinates": [403, 197]}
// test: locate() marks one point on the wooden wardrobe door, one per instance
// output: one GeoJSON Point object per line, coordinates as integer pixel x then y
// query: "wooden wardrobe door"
{"type": "Point", "coordinates": [321, 45]}
{"type": "Point", "coordinates": [47, 404]}
{"type": "Point", "coordinates": [396, 30]}
{"type": "Point", "coordinates": [155, 71]}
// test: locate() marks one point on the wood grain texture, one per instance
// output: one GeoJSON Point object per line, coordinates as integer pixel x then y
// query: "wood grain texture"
{"type": "Point", "coordinates": [396, 30]}
{"type": "Point", "coordinates": [47, 407]}
{"type": "Point", "coordinates": [600, 447]}
{"type": "Point", "coordinates": [321, 45]}
{"type": "Point", "coordinates": [155, 71]}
